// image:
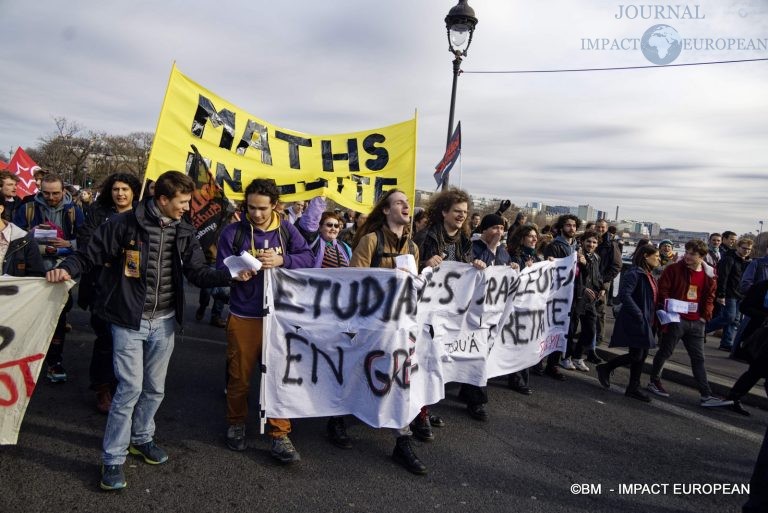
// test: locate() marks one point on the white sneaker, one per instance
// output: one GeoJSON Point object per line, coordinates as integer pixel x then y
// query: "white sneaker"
{"type": "Point", "coordinates": [579, 364]}
{"type": "Point", "coordinates": [567, 364]}
{"type": "Point", "coordinates": [713, 402]}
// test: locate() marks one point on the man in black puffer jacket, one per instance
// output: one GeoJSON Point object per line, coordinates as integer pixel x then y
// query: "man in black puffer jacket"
{"type": "Point", "coordinates": [729, 272]}
{"type": "Point", "coordinates": [145, 253]}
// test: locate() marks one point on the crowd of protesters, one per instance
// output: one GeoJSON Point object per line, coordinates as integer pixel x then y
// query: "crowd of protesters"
{"type": "Point", "coordinates": [131, 258]}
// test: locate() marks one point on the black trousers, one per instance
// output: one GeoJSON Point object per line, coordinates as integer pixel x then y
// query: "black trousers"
{"type": "Point", "coordinates": [600, 311]}
{"type": "Point", "coordinates": [102, 371]}
{"type": "Point", "coordinates": [757, 369]}
{"type": "Point", "coordinates": [473, 394]}
{"type": "Point", "coordinates": [520, 378]}
{"type": "Point", "coordinates": [635, 358]}
{"type": "Point", "coordinates": [55, 354]}
{"type": "Point", "coordinates": [758, 492]}
{"type": "Point", "coordinates": [588, 323]}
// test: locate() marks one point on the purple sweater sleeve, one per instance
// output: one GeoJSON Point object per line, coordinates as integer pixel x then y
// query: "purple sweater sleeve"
{"type": "Point", "coordinates": [310, 221]}
{"type": "Point", "coordinates": [299, 255]}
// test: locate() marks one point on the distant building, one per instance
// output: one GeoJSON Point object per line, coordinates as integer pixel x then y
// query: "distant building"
{"type": "Point", "coordinates": [557, 210]}
{"type": "Point", "coordinates": [680, 236]}
{"type": "Point", "coordinates": [586, 213]}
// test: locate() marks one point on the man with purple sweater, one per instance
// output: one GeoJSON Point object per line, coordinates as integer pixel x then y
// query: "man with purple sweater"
{"type": "Point", "coordinates": [276, 243]}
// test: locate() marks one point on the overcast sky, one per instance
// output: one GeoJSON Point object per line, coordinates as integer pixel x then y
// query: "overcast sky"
{"type": "Point", "coordinates": [683, 146]}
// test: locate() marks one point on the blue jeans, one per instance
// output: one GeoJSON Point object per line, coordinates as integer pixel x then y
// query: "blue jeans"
{"type": "Point", "coordinates": [220, 297]}
{"type": "Point", "coordinates": [728, 319]}
{"type": "Point", "coordinates": [141, 363]}
{"type": "Point", "coordinates": [739, 334]}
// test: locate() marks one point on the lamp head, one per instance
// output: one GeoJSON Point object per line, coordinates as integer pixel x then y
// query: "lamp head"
{"type": "Point", "coordinates": [460, 24]}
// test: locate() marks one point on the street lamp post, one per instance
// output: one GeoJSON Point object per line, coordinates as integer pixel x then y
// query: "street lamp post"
{"type": "Point", "coordinates": [761, 228]}
{"type": "Point", "coordinates": [460, 24]}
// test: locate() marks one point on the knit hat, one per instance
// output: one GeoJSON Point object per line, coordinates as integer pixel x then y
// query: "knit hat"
{"type": "Point", "coordinates": [666, 241]}
{"type": "Point", "coordinates": [491, 220]}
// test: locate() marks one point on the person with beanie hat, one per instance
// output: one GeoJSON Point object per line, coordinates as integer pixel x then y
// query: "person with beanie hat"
{"type": "Point", "coordinates": [491, 220]}
{"type": "Point", "coordinates": [667, 257]}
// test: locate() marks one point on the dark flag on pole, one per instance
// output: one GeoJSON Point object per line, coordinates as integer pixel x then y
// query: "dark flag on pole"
{"type": "Point", "coordinates": [449, 159]}
{"type": "Point", "coordinates": [209, 209]}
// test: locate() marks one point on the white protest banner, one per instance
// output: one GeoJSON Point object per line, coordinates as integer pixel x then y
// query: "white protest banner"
{"type": "Point", "coordinates": [459, 305]}
{"type": "Point", "coordinates": [350, 341]}
{"type": "Point", "coordinates": [342, 341]}
{"type": "Point", "coordinates": [31, 308]}
{"type": "Point", "coordinates": [536, 318]}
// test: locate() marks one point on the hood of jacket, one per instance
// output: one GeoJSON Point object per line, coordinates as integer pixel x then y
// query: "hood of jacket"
{"type": "Point", "coordinates": [16, 232]}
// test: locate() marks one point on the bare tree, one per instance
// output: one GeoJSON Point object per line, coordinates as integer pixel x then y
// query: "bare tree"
{"type": "Point", "coordinates": [120, 154]}
{"type": "Point", "coordinates": [66, 150]}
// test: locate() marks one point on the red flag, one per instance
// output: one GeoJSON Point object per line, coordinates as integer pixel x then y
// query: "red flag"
{"type": "Point", "coordinates": [24, 167]}
{"type": "Point", "coordinates": [452, 153]}
{"type": "Point", "coordinates": [3, 165]}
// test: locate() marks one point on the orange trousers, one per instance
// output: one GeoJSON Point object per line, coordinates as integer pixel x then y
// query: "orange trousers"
{"type": "Point", "coordinates": [244, 339]}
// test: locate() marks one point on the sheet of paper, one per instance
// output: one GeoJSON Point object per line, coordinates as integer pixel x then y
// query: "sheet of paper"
{"type": "Point", "coordinates": [677, 306]}
{"type": "Point", "coordinates": [406, 262]}
{"type": "Point", "coordinates": [667, 317]}
{"type": "Point", "coordinates": [244, 262]}
{"type": "Point", "coordinates": [45, 234]}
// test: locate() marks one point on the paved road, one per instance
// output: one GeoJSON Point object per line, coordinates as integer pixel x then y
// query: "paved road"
{"type": "Point", "coordinates": [526, 458]}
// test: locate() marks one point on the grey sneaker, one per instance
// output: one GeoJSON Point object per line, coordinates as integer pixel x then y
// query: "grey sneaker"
{"type": "Point", "coordinates": [284, 451]}
{"type": "Point", "coordinates": [112, 477]}
{"type": "Point", "coordinates": [151, 453]}
{"type": "Point", "coordinates": [236, 437]}
{"type": "Point", "coordinates": [713, 402]}
{"type": "Point", "coordinates": [655, 387]}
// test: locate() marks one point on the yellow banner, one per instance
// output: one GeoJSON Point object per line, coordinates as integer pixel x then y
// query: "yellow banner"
{"type": "Point", "coordinates": [351, 169]}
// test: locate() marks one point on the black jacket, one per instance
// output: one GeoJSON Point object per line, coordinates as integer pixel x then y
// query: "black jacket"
{"type": "Point", "coordinates": [753, 306]}
{"type": "Point", "coordinates": [610, 259]}
{"type": "Point", "coordinates": [123, 304]}
{"type": "Point", "coordinates": [588, 277]}
{"type": "Point", "coordinates": [729, 272]}
{"type": "Point", "coordinates": [88, 294]}
{"type": "Point", "coordinates": [522, 260]}
{"type": "Point", "coordinates": [23, 258]}
{"type": "Point", "coordinates": [635, 320]}
{"type": "Point", "coordinates": [559, 248]}
{"type": "Point", "coordinates": [431, 243]}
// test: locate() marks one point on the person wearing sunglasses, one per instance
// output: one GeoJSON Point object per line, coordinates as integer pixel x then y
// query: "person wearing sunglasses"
{"type": "Point", "coordinates": [321, 227]}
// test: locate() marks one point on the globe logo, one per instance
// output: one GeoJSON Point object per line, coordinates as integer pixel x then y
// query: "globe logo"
{"type": "Point", "coordinates": [661, 44]}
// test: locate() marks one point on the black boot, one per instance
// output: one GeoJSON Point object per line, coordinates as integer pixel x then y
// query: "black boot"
{"type": "Point", "coordinates": [404, 455]}
{"type": "Point", "coordinates": [593, 358]}
{"type": "Point", "coordinates": [477, 412]}
{"type": "Point", "coordinates": [604, 375]}
{"type": "Point", "coordinates": [422, 427]}
{"type": "Point", "coordinates": [633, 391]}
{"type": "Point", "coordinates": [337, 433]}
{"type": "Point", "coordinates": [738, 408]}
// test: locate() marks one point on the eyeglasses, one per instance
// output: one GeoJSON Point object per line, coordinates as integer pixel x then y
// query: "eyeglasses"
{"type": "Point", "coordinates": [746, 248]}
{"type": "Point", "coordinates": [331, 225]}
